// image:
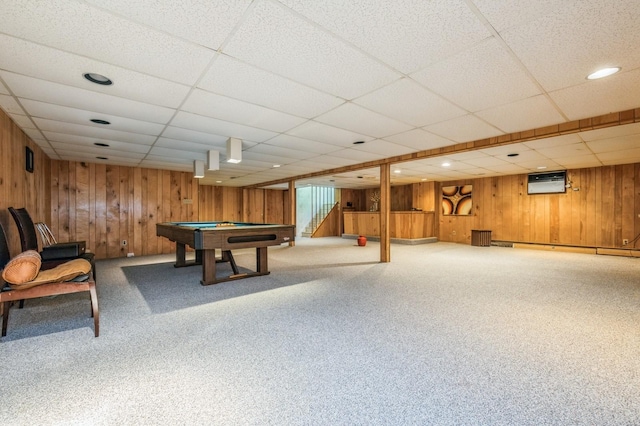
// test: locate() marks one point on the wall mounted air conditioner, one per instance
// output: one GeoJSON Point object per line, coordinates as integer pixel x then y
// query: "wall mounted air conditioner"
{"type": "Point", "coordinates": [547, 183]}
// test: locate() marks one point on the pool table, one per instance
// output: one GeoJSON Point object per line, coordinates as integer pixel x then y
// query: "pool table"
{"type": "Point", "coordinates": [206, 237]}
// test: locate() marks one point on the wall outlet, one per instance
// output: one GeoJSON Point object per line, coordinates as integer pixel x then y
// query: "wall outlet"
{"type": "Point", "coordinates": [625, 242]}
{"type": "Point", "coordinates": [129, 254]}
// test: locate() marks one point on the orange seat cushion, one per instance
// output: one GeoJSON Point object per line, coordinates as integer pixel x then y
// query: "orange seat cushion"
{"type": "Point", "coordinates": [22, 268]}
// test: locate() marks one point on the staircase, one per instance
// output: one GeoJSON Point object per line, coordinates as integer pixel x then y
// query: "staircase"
{"type": "Point", "coordinates": [317, 219]}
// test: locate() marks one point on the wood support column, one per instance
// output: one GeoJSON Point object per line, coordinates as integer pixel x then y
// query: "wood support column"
{"type": "Point", "coordinates": [292, 207]}
{"type": "Point", "coordinates": [385, 212]}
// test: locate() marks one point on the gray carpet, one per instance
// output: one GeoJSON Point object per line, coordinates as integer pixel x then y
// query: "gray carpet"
{"type": "Point", "coordinates": [445, 334]}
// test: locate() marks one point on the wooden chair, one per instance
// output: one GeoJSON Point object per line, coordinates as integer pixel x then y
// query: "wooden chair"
{"type": "Point", "coordinates": [29, 241]}
{"type": "Point", "coordinates": [83, 283]}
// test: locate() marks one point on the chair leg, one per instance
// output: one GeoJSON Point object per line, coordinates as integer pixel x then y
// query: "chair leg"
{"type": "Point", "coordinates": [21, 304]}
{"type": "Point", "coordinates": [94, 309]}
{"type": "Point", "coordinates": [5, 317]}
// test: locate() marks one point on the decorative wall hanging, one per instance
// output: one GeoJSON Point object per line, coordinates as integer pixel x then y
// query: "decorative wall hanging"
{"type": "Point", "coordinates": [456, 200]}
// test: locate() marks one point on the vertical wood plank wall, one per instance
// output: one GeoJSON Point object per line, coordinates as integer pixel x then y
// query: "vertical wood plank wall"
{"type": "Point", "coordinates": [106, 205]}
{"type": "Point", "coordinates": [19, 188]}
{"type": "Point", "coordinates": [602, 213]}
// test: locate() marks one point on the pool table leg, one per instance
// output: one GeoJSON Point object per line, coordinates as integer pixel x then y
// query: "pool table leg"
{"type": "Point", "coordinates": [181, 252]}
{"type": "Point", "coordinates": [261, 260]}
{"type": "Point", "coordinates": [208, 267]}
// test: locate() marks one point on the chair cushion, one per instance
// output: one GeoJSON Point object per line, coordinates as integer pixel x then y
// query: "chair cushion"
{"type": "Point", "coordinates": [64, 272]}
{"type": "Point", "coordinates": [22, 268]}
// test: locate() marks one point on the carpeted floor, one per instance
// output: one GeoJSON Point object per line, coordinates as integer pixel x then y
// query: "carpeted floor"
{"type": "Point", "coordinates": [445, 334]}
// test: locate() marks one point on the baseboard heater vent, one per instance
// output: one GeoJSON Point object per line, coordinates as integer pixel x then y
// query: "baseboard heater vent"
{"type": "Point", "coordinates": [502, 244]}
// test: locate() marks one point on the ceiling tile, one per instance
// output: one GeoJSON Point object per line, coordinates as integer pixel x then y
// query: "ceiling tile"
{"type": "Point", "coordinates": [293, 142]}
{"type": "Point", "coordinates": [478, 78]}
{"type": "Point", "coordinates": [64, 24]}
{"type": "Point", "coordinates": [328, 134]}
{"type": "Point", "coordinates": [554, 141]}
{"type": "Point", "coordinates": [407, 101]}
{"type": "Point", "coordinates": [235, 111]}
{"type": "Point", "coordinates": [419, 139]}
{"type": "Point", "coordinates": [92, 131]}
{"type": "Point", "coordinates": [406, 37]}
{"type": "Point", "coordinates": [620, 143]}
{"type": "Point", "coordinates": [566, 151]}
{"type": "Point", "coordinates": [278, 151]}
{"type": "Point", "coordinates": [177, 153]}
{"type": "Point", "coordinates": [120, 150]}
{"type": "Point", "coordinates": [583, 49]}
{"type": "Point", "coordinates": [579, 161]}
{"type": "Point", "coordinates": [357, 119]}
{"type": "Point", "coordinates": [190, 146]}
{"type": "Point", "coordinates": [59, 94]}
{"type": "Point", "coordinates": [611, 132]}
{"type": "Point", "coordinates": [618, 92]}
{"type": "Point", "coordinates": [220, 127]}
{"type": "Point", "coordinates": [239, 80]}
{"type": "Point", "coordinates": [23, 121]}
{"type": "Point", "coordinates": [204, 22]}
{"type": "Point", "coordinates": [79, 141]}
{"type": "Point", "coordinates": [627, 156]}
{"type": "Point", "coordinates": [384, 148]}
{"type": "Point", "coordinates": [275, 39]}
{"type": "Point", "coordinates": [178, 133]}
{"type": "Point", "coordinates": [35, 60]}
{"type": "Point", "coordinates": [525, 114]}
{"type": "Point", "coordinates": [125, 159]}
{"type": "Point", "coordinates": [464, 129]}
{"type": "Point", "coordinates": [33, 133]}
{"type": "Point", "coordinates": [80, 116]}
{"type": "Point", "coordinates": [10, 105]}
{"type": "Point", "coordinates": [503, 15]}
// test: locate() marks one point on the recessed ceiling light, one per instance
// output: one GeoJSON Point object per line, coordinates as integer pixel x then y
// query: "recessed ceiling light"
{"type": "Point", "coordinates": [98, 79]}
{"type": "Point", "coordinates": [218, 181]}
{"type": "Point", "coordinates": [95, 120]}
{"type": "Point", "coordinates": [101, 144]}
{"type": "Point", "coordinates": [541, 167]}
{"type": "Point", "coordinates": [358, 142]}
{"type": "Point", "coordinates": [446, 164]}
{"type": "Point", "coordinates": [397, 171]}
{"type": "Point", "coordinates": [276, 165]}
{"type": "Point", "coordinates": [423, 179]}
{"type": "Point", "coordinates": [604, 72]}
{"type": "Point", "coordinates": [513, 154]}
{"type": "Point", "coordinates": [102, 158]}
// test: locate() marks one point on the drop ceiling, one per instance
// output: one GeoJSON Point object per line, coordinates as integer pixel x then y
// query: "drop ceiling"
{"type": "Point", "coordinates": [300, 80]}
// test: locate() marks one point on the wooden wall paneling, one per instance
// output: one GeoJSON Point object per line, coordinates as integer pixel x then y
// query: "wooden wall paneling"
{"type": "Point", "coordinates": [204, 202]}
{"type": "Point", "coordinates": [274, 206]}
{"type": "Point", "coordinates": [636, 212]}
{"type": "Point", "coordinates": [554, 217]}
{"type": "Point", "coordinates": [163, 206]}
{"type": "Point", "coordinates": [627, 209]}
{"type": "Point", "coordinates": [232, 205]}
{"type": "Point", "coordinates": [113, 210]}
{"type": "Point", "coordinates": [71, 189]}
{"type": "Point", "coordinates": [54, 185]}
{"type": "Point", "coordinates": [91, 200]}
{"type": "Point", "coordinates": [19, 188]}
{"type": "Point", "coordinates": [587, 203]}
{"type": "Point", "coordinates": [81, 214]}
{"type": "Point", "coordinates": [101, 211]}
{"type": "Point", "coordinates": [63, 201]}
{"type": "Point", "coordinates": [138, 200]}
{"type": "Point", "coordinates": [253, 205]}
{"type": "Point", "coordinates": [607, 206]}
{"type": "Point", "coordinates": [125, 208]}
{"type": "Point", "coordinates": [149, 191]}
